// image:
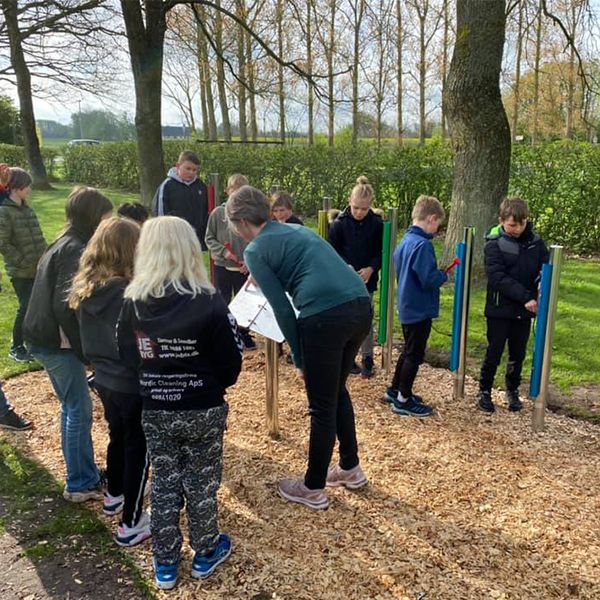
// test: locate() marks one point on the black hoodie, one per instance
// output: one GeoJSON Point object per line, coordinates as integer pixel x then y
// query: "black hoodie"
{"type": "Point", "coordinates": [513, 266]}
{"type": "Point", "coordinates": [187, 349]}
{"type": "Point", "coordinates": [359, 243]}
{"type": "Point", "coordinates": [98, 317]}
{"type": "Point", "coordinates": [48, 312]}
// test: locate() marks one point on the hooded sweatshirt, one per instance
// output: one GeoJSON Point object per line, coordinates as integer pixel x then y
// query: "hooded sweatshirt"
{"type": "Point", "coordinates": [98, 317]}
{"type": "Point", "coordinates": [186, 349]}
{"type": "Point", "coordinates": [185, 199]}
{"type": "Point", "coordinates": [217, 233]}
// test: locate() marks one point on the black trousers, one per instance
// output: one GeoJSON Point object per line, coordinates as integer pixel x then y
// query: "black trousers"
{"type": "Point", "coordinates": [23, 289]}
{"type": "Point", "coordinates": [329, 342]}
{"type": "Point", "coordinates": [126, 458]}
{"type": "Point", "coordinates": [500, 331]}
{"type": "Point", "coordinates": [413, 354]}
{"type": "Point", "coordinates": [228, 283]}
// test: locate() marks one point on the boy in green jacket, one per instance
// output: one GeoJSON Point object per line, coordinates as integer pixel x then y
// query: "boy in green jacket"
{"type": "Point", "coordinates": [22, 244]}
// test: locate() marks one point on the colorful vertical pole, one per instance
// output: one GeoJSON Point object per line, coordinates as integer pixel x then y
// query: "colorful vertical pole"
{"type": "Point", "coordinates": [215, 182]}
{"type": "Point", "coordinates": [211, 207]}
{"type": "Point", "coordinates": [541, 323]}
{"type": "Point", "coordinates": [539, 404]}
{"type": "Point", "coordinates": [464, 291]}
{"type": "Point", "coordinates": [386, 355]}
{"type": "Point", "coordinates": [323, 225]}
{"type": "Point", "coordinates": [385, 282]}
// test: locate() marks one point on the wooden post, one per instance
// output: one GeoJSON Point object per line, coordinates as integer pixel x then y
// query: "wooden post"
{"type": "Point", "coordinates": [272, 386]}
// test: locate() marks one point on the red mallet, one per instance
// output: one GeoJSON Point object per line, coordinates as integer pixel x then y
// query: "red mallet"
{"type": "Point", "coordinates": [453, 264]}
{"type": "Point", "coordinates": [234, 256]}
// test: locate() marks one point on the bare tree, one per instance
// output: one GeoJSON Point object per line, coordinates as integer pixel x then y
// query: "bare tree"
{"type": "Point", "coordinates": [399, 73]}
{"type": "Point", "coordinates": [280, 81]}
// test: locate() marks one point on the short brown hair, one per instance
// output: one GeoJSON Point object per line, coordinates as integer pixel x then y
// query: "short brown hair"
{"type": "Point", "coordinates": [282, 198]}
{"type": "Point", "coordinates": [248, 204]}
{"type": "Point", "coordinates": [235, 182]}
{"type": "Point", "coordinates": [19, 179]}
{"type": "Point", "coordinates": [514, 207]}
{"type": "Point", "coordinates": [85, 208]}
{"type": "Point", "coordinates": [190, 156]}
{"type": "Point", "coordinates": [426, 206]}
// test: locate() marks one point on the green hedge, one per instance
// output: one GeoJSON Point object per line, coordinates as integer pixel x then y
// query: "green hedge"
{"type": "Point", "coordinates": [561, 181]}
{"type": "Point", "coordinates": [15, 157]}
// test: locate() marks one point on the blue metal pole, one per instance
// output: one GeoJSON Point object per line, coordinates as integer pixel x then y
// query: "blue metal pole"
{"type": "Point", "coordinates": [540, 331]}
{"type": "Point", "coordinates": [458, 305]}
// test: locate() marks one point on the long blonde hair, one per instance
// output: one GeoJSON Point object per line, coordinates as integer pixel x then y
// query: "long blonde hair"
{"type": "Point", "coordinates": [109, 254]}
{"type": "Point", "coordinates": [168, 255]}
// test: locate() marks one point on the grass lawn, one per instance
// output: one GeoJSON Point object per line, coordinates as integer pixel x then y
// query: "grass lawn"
{"type": "Point", "coordinates": [576, 340]}
{"type": "Point", "coordinates": [50, 208]}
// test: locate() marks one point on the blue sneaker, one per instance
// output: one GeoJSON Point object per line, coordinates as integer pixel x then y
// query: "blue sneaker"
{"type": "Point", "coordinates": [203, 566]}
{"type": "Point", "coordinates": [410, 407]}
{"type": "Point", "coordinates": [165, 576]}
{"type": "Point", "coordinates": [390, 395]}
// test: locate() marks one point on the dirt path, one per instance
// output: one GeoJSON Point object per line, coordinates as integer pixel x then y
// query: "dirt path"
{"type": "Point", "coordinates": [461, 505]}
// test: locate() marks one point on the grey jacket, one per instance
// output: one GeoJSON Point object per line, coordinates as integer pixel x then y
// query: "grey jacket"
{"type": "Point", "coordinates": [217, 233]}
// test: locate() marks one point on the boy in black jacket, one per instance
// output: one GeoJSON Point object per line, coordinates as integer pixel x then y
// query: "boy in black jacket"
{"type": "Point", "coordinates": [183, 194]}
{"type": "Point", "coordinates": [514, 255]}
{"type": "Point", "coordinates": [357, 235]}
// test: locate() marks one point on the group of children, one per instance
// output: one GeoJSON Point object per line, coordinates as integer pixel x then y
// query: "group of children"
{"type": "Point", "coordinates": [136, 304]}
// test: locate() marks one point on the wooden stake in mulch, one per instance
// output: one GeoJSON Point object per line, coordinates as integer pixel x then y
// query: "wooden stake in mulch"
{"type": "Point", "coordinates": [272, 386]}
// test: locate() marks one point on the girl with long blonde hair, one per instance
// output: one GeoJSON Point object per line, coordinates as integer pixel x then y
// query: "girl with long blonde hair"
{"type": "Point", "coordinates": [105, 269]}
{"type": "Point", "coordinates": [180, 335]}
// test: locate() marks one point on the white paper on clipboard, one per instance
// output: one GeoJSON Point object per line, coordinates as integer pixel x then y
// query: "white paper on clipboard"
{"type": "Point", "coordinates": [252, 310]}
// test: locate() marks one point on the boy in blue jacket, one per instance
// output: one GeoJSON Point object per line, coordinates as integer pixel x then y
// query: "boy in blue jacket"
{"type": "Point", "coordinates": [419, 282]}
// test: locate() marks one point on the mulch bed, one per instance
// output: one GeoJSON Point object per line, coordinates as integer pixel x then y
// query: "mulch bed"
{"type": "Point", "coordinates": [460, 505]}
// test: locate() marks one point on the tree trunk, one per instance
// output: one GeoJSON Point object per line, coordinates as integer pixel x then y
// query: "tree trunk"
{"type": "Point", "coordinates": [330, 77]}
{"type": "Point", "coordinates": [251, 92]}
{"type": "Point", "coordinates": [280, 81]}
{"type": "Point", "coordinates": [309, 70]}
{"type": "Point", "coordinates": [146, 55]}
{"type": "Point", "coordinates": [445, 61]}
{"type": "Point", "coordinates": [422, 77]}
{"type": "Point", "coordinates": [477, 122]}
{"type": "Point", "coordinates": [205, 126]}
{"type": "Point", "coordinates": [517, 88]}
{"type": "Point", "coordinates": [536, 77]}
{"type": "Point", "coordinates": [571, 76]}
{"type": "Point", "coordinates": [210, 126]}
{"type": "Point", "coordinates": [19, 65]}
{"type": "Point", "coordinates": [241, 56]}
{"type": "Point", "coordinates": [223, 102]}
{"type": "Point", "coordinates": [358, 8]}
{"type": "Point", "coordinates": [399, 74]}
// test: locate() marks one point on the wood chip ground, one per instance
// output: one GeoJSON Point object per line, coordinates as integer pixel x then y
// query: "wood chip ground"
{"type": "Point", "coordinates": [460, 505]}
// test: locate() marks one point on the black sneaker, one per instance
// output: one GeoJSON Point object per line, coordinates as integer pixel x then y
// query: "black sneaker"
{"type": "Point", "coordinates": [249, 343]}
{"type": "Point", "coordinates": [366, 371]}
{"type": "Point", "coordinates": [20, 354]}
{"type": "Point", "coordinates": [11, 420]}
{"type": "Point", "coordinates": [484, 402]}
{"type": "Point", "coordinates": [411, 408]}
{"type": "Point", "coordinates": [514, 402]}
{"type": "Point", "coordinates": [355, 369]}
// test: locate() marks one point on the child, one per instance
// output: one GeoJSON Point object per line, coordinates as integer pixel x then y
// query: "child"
{"type": "Point", "coordinates": [133, 210]}
{"type": "Point", "coordinates": [51, 330]}
{"type": "Point", "coordinates": [282, 208]}
{"type": "Point", "coordinates": [513, 256]}
{"type": "Point", "coordinates": [22, 244]}
{"type": "Point", "coordinates": [105, 268]}
{"type": "Point", "coordinates": [419, 282]}
{"type": "Point", "coordinates": [357, 234]}
{"type": "Point", "coordinates": [230, 271]}
{"type": "Point", "coordinates": [9, 419]}
{"type": "Point", "coordinates": [179, 334]}
{"type": "Point", "coordinates": [183, 194]}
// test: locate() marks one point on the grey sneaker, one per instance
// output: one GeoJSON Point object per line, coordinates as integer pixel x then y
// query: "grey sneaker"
{"type": "Point", "coordinates": [351, 478]}
{"type": "Point", "coordinates": [11, 420]}
{"type": "Point", "coordinates": [294, 490]}
{"type": "Point", "coordinates": [94, 493]}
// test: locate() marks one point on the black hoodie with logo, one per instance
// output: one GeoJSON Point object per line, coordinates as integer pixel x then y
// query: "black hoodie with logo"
{"type": "Point", "coordinates": [186, 349]}
{"type": "Point", "coordinates": [98, 316]}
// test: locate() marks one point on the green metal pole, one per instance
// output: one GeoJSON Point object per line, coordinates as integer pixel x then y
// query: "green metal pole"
{"type": "Point", "coordinates": [389, 336]}
{"type": "Point", "coordinates": [385, 282]}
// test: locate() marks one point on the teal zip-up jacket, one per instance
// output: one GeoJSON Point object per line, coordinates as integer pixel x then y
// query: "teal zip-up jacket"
{"type": "Point", "coordinates": [293, 259]}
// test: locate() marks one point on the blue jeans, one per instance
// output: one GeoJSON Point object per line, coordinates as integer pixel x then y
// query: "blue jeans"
{"type": "Point", "coordinates": [5, 407]}
{"type": "Point", "coordinates": [67, 375]}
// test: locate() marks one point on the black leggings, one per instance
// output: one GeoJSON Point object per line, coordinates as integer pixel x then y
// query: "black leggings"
{"type": "Point", "coordinates": [413, 354]}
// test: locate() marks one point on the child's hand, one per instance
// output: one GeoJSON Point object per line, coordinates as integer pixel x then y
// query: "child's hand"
{"type": "Point", "coordinates": [531, 306]}
{"type": "Point", "coordinates": [365, 273]}
{"type": "Point", "coordinates": [243, 269]}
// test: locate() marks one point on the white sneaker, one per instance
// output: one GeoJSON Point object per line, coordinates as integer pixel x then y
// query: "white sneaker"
{"type": "Point", "coordinates": [113, 505]}
{"type": "Point", "coordinates": [132, 536]}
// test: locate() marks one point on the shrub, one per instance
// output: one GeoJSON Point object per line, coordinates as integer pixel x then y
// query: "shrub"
{"type": "Point", "coordinates": [15, 157]}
